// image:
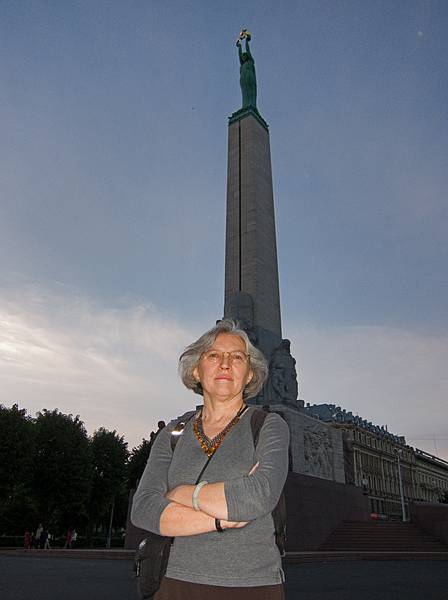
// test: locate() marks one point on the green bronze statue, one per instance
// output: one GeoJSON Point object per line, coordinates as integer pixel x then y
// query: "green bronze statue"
{"type": "Point", "coordinates": [248, 81]}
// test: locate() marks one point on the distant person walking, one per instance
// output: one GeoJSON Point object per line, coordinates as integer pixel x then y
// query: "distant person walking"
{"type": "Point", "coordinates": [47, 540]}
{"type": "Point", "coordinates": [28, 540]}
{"type": "Point", "coordinates": [74, 537]}
{"type": "Point", "coordinates": [39, 530]}
{"type": "Point", "coordinates": [43, 538]}
{"type": "Point", "coordinates": [68, 539]}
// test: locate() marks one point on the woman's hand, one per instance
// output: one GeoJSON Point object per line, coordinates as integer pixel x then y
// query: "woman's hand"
{"type": "Point", "coordinates": [182, 492]}
{"type": "Point", "coordinates": [217, 504]}
{"type": "Point", "coordinates": [233, 524]}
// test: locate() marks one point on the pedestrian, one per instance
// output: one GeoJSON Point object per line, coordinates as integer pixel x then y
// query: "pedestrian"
{"type": "Point", "coordinates": [47, 541]}
{"type": "Point", "coordinates": [68, 539]}
{"type": "Point", "coordinates": [74, 537]}
{"type": "Point", "coordinates": [27, 540]}
{"type": "Point", "coordinates": [37, 535]}
{"type": "Point", "coordinates": [43, 538]}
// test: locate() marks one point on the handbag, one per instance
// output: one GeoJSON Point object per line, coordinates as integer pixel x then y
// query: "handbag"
{"type": "Point", "coordinates": [150, 564]}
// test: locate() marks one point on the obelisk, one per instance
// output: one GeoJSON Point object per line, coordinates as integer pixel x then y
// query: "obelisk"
{"type": "Point", "coordinates": [251, 270]}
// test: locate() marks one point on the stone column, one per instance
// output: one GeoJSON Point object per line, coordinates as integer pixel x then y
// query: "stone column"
{"type": "Point", "coordinates": [251, 271]}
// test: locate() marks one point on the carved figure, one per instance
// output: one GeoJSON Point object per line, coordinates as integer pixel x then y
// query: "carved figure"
{"type": "Point", "coordinates": [282, 382]}
{"type": "Point", "coordinates": [248, 81]}
{"type": "Point", "coordinates": [318, 453]}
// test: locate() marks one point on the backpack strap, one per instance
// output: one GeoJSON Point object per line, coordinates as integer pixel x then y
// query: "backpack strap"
{"type": "Point", "coordinates": [179, 428]}
{"type": "Point", "coordinates": [279, 513]}
{"type": "Point", "coordinates": [256, 423]}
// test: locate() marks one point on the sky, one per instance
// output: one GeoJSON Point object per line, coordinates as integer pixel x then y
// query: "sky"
{"type": "Point", "coordinates": [113, 152]}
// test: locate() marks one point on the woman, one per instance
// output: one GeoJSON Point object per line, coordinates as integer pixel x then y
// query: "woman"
{"type": "Point", "coordinates": [223, 528]}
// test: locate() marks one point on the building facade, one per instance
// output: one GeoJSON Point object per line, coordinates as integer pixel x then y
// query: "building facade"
{"type": "Point", "coordinates": [376, 459]}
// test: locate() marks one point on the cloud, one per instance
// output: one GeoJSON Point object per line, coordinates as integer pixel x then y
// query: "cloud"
{"type": "Point", "coordinates": [388, 376]}
{"type": "Point", "coordinates": [115, 367]}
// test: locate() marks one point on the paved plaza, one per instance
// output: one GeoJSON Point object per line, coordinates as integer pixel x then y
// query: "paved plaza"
{"type": "Point", "coordinates": [35, 578]}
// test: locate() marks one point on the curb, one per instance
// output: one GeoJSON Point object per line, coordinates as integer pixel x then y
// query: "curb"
{"type": "Point", "coordinates": [88, 553]}
{"type": "Point", "coordinates": [290, 558]}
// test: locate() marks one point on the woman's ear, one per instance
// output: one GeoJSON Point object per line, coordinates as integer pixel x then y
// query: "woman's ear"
{"type": "Point", "coordinates": [195, 374]}
{"type": "Point", "coordinates": [250, 376]}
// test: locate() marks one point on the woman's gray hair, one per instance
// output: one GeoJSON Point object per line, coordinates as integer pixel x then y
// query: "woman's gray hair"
{"type": "Point", "coordinates": [190, 357]}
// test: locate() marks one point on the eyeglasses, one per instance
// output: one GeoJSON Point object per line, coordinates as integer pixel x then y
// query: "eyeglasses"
{"type": "Point", "coordinates": [235, 358]}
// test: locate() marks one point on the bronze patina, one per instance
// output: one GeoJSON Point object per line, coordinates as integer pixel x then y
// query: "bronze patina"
{"type": "Point", "coordinates": [248, 81]}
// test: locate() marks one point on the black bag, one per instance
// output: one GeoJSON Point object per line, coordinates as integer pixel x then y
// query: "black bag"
{"type": "Point", "coordinates": [150, 563]}
{"type": "Point", "coordinates": [151, 559]}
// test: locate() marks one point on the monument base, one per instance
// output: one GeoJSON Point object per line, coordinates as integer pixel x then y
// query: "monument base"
{"type": "Point", "coordinates": [248, 110]}
{"type": "Point", "coordinates": [316, 448]}
{"type": "Point", "coordinates": [315, 507]}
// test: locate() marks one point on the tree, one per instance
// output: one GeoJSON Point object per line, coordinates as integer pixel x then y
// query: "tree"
{"type": "Point", "coordinates": [62, 469]}
{"type": "Point", "coordinates": [109, 458]}
{"type": "Point", "coordinates": [139, 457]}
{"type": "Point", "coordinates": [137, 463]}
{"type": "Point", "coordinates": [17, 510]}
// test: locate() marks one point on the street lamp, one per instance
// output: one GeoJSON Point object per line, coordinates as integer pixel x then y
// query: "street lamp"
{"type": "Point", "coordinates": [398, 454]}
{"type": "Point", "coordinates": [109, 531]}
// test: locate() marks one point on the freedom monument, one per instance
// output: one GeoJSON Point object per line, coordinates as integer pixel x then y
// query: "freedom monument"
{"type": "Point", "coordinates": [251, 272]}
{"type": "Point", "coordinates": [252, 294]}
{"type": "Point", "coordinates": [316, 491]}
{"type": "Point", "coordinates": [342, 467]}
{"type": "Point", "coordinates": [317, 495]}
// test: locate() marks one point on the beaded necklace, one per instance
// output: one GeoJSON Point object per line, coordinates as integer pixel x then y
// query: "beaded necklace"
{"type": "Point", "coordinates": [209, 446]}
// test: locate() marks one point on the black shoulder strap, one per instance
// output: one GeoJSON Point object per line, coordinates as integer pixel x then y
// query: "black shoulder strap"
{"type": "Point", "coordinates": [256, 423]}
{"type": "Point", "coordinates": [178, 429]}
{"type": "Point", "coordinates": [279, 513]}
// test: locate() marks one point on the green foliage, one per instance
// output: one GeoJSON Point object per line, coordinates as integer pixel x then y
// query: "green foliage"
{"type": "Point", "coordinates": [62, 469]}
{"type": "Point", "coordinates": [137, 463]}
{"type": "Point", "coordinates": [51, 472]}
{"type": "Point", "coordinates": [109, 458]}
{"type": "Point", "coordinates": [17, 441]}
{"type": "Point", "coordinates": [444, 498]}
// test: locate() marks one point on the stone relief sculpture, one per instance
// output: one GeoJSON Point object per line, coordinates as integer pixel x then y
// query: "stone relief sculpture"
{"type": "Point", "coordinates": [282, 383]}
{"type": "Point", "coordinates": [318, 449]}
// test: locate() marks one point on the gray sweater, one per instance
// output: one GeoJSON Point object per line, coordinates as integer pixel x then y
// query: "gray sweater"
{"type": "Point", "coordinates": [238, 557]}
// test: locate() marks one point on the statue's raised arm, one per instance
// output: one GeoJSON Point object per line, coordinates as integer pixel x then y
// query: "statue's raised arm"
{"type": "Point", "coordinates": [248, 81]}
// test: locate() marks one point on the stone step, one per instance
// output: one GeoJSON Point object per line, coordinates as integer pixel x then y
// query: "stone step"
{"type": "Point", "coordinates": [385, 539]}
{"type": "Point", "coordinates": [379, 537]}
{"type": "Point", "coordinates": [307, 557]}
{"type": "Point", "coordinates": [379, 546]}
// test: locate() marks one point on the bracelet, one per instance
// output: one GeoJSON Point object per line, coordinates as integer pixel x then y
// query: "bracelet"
{"type": "Point", "coordinates": [218, 526]}
{"type": "Point", "coordinates": [197, 489]}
